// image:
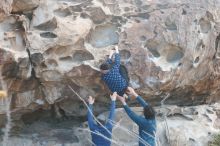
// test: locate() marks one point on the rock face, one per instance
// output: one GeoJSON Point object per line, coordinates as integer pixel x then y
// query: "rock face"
{"type": "Point", "coordinates": [191, 126]}
{"type": "Point", "coordinates": [168, 47]}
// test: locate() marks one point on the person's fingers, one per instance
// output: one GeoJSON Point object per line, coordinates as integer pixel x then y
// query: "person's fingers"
{"type": "Point", "coordinates": [120, 98]}
{"type": "Point", "coordinates": [115, 93]}
{"type": "Point", "coordinates": [129, 92]}
{"type": "Point", "coordinates": [129, 88]}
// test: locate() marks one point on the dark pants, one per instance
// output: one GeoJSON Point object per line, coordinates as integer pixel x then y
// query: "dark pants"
{"type": "Point", "coordinates": [124, 73]}
{"type": "Point", "coordinates": [121, 93]}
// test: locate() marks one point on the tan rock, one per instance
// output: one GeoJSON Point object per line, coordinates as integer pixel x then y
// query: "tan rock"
{"type": "Point", "coordinates": [24, 5]}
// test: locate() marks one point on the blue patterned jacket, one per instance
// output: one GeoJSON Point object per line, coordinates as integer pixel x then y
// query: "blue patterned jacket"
{"type": "Point", "coordinates": [113, 79]}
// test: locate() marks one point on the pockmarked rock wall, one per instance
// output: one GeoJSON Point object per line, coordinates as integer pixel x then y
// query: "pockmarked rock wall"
{"type": "Point", "coordinates": [169, 47]}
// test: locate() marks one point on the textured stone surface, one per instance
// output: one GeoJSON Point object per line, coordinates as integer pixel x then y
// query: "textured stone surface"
{"type": "Point", "coordinates": [24, 5]}
{"type": "Point", "coordinates": [168, 47]}
{"type": "Point", "coordinates": [5, 9]}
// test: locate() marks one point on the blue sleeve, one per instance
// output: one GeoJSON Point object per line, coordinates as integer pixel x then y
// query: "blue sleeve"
{"type": "Point", "coordinates": [142, 102]}
{"type": "Point", "coordinates": [109, 61]}
{"type": "Point", "coordinates": [117, 60]}
{"type": "Point", "coordinates": [90, 117]}
{"type": "Point", "coordinates": [132, 115]}
{"type": "Point", "coordinates": [111, 115]}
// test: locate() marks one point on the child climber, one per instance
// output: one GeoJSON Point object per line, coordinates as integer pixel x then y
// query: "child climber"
{"type": "Point", "coordinates": [111, 74]}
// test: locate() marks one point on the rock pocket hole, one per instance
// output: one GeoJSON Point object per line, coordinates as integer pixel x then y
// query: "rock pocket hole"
{"type": "Point", "coordinates": [43, 65]}
{"type": "Point", "coordinates": [143, 15]}
{"type": "Point", "coordinates": [200, 45]}
{"type": "Point", "coordinates": [67, 58]}
{"type": "Point", "coordinates": [196, 60]}
{"type": "Point", "coordinates": [209, 16]}
{"type": "Point", "coordinates": [205, 25]}
{"type": "Point", "coordinates": [62, 12]}
{"type": "Point", "coordinates": [84, 15]}
{"type": "Point", "coordinates": [48, 35]}
{"type": "Point", "coordinates": [52, 63]}
{"type": "Point", "coordinates": [80, 55]}
{"type": "Point", "coordinates": [36, 58]}
{"type": "Point", "coordinates": [170, 24]}
{"type": "Point", "coordinates": [103, 36]}
{"type": "Point", "coordinates": [184, 12]}
{"type": "Point", "coordinates": [174, 54]}
{"type": "Point", "coordinates": [48, 26]}
{"type": "Point", "coordinates": [152, 46]}
{"type": "Point", "coordinates": [76, 8]}
{"type": "Point", "coordinates": [125, 54]}
{"type": "Point", "coordinates": [143, 38]}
